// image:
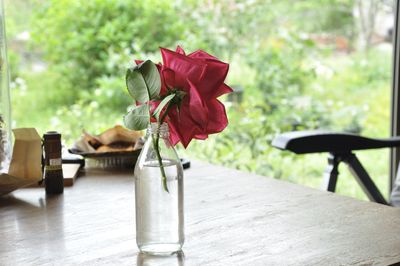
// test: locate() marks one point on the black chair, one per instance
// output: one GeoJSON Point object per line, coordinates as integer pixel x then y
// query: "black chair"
{"type": "Point", "coordinates": [340, 147]}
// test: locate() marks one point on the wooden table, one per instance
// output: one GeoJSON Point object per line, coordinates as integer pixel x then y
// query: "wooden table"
{"type": "Point", "coordinates": [232, 218]}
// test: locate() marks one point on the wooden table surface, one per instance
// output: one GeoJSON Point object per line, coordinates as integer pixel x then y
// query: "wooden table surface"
{"type": "Point", "coordinates": [232, 218]}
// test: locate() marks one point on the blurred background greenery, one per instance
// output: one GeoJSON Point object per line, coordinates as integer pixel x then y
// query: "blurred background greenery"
{"type": "Point", "coordinates": [294, 65]}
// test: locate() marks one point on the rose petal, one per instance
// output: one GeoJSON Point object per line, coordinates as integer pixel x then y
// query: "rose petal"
{"type": "Point", "coordinates": [185, 127]}
{"type": "Point", "coordinates": [217, 117]}
{"type": "Point", "coordinates": [203, 55]}
{"type": "Point", "coordinates": [213, 78]}
{"type": "Point", "coordinates": [198, 110]}
{"type": "Point", "coordinates": [179, 50]}
{"type": "Point", "coordinates": [184, 67]}
{"type": "Point", "coordinates": [214, 75]}
{"type": "Point", "coordinates": [182, 127]}
{"type": "Point", "coordinates": [201, 136]}
{"type": "Point", "coordinates": [223, 89]}
{"type": "Point", "coordinates": [174, 136]}
{"type": "Point", "coordinates": [168, 76]}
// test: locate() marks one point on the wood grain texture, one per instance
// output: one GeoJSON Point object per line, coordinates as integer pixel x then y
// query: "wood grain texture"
{"type": "Point", "coordinates": [232, 218]}
{"type": "Point", "coordinates": [70, 173]}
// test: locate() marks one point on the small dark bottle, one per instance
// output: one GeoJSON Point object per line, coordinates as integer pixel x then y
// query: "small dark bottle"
{"type": "Point", "coordinates": [53, 174]}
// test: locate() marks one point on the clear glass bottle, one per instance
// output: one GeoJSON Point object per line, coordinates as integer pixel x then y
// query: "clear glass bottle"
{"type": "Point", "coordinates": [159, 204]}
{"type": "Point", "coordinates": [5, 106]}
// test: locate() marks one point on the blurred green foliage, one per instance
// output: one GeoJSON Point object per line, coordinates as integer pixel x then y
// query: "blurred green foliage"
{"type": "Point", "coordinates": [290, 80]}
{"type": "Point", "coordinates": [84, 35]}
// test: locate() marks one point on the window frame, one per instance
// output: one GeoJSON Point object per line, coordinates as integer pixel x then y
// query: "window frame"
{"type": "Point", "coordinates": [395, 97]}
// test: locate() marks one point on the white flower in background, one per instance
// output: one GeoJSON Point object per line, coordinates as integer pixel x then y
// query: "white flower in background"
{"type": "Point", "coordinates": [322, 70]}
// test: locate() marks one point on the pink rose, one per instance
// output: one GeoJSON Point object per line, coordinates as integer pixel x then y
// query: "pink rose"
{"type": "Point", "coordinates": [201, 77]}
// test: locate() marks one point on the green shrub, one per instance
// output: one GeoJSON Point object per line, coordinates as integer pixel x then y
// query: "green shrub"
{"type": "Point", "coordinates": [80, 37]}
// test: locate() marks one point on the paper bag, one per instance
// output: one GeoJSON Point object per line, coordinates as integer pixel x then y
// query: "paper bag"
{"type": "Point", "coordinates": [25, 167]}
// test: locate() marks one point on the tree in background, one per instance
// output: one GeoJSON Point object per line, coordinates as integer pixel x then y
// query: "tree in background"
{"type": "Point", "coordinates": [82, 38]}
{"type": "Point", "coordinates": [367, 12]}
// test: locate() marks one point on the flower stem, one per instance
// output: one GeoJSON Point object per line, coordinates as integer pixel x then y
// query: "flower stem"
{"type": "Point", "coordinates": [156, 145]}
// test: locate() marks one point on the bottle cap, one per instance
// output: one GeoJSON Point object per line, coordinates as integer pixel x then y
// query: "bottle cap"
{"type": "Point", "coordinates": [52, 135]}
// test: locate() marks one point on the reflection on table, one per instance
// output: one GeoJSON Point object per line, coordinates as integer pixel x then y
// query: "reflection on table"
{"type": "Point", "coordinates": [177, 259]}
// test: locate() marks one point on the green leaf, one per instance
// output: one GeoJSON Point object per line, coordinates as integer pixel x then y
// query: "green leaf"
{"type": "Point", "coordinates": [137, 118]}
{"type": "Point", "coordinates": [161, 106]}
{"type": "Point", "coordinates": [143, 81]}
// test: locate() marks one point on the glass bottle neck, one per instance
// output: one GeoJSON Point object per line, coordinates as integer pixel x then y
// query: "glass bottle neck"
{"type": "Point", "coordinates": [161, 130]}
